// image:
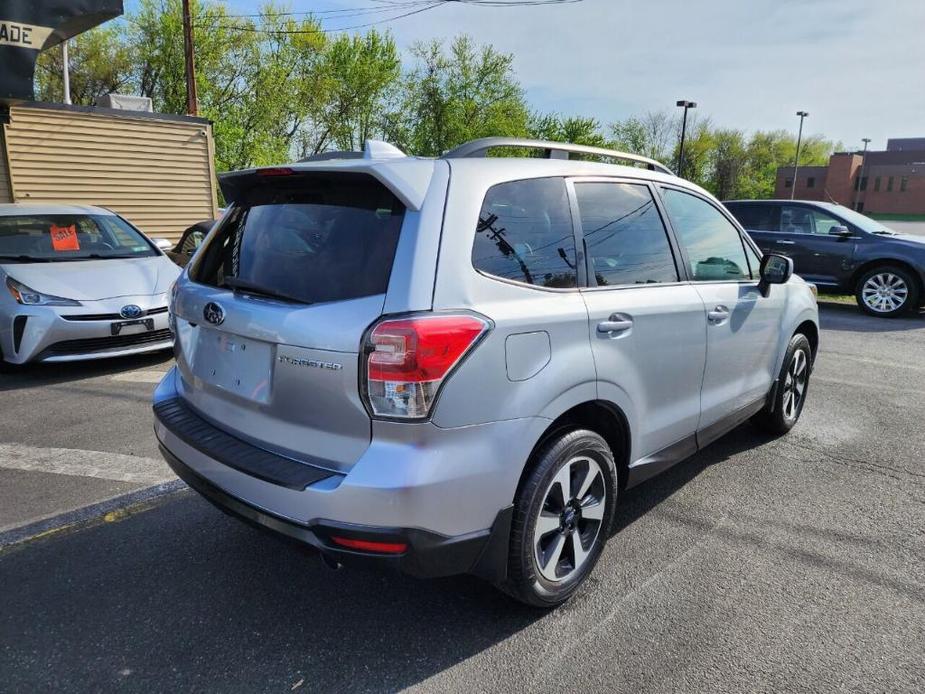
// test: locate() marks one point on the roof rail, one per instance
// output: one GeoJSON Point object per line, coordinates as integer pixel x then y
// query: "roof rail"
{"type": "Point", "coordinates": [553, 150]}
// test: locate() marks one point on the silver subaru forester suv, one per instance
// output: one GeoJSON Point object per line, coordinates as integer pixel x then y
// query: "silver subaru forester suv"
{"type": "Point", "coordinates": [460, 364]}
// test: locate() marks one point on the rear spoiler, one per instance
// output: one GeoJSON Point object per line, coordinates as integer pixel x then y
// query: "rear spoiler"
{"type": "Point", "coordinates": [408, 178]}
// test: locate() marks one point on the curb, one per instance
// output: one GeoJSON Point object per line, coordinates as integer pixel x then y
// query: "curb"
{"type": "Point", "coordinates": [87, 514]}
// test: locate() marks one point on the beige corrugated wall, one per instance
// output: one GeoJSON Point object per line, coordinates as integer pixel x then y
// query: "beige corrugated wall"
{"type": "Point", "coordinates": [6, 195]}
{"type": "Point", "coordinates": [156, 173]}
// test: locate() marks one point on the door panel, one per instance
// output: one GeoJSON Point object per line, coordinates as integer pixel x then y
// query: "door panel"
{"type": "Point", "coordinates": [741, 325]}
{"type": "Point", "coordinates": [742, 331]}
{"type": "Point", "coordinates": [651, 343]}
{"type": "Point", "coordinates": [817, 256]}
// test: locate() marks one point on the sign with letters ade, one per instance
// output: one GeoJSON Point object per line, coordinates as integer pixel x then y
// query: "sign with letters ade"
{"type": "Point", "coordinates": [28, 27]}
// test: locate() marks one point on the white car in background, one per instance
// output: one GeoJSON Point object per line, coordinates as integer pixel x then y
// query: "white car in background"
{"type": "Point", "coordinates": [79, 282]}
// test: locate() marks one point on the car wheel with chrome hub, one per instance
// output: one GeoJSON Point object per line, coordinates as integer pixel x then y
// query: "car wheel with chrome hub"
{"type": "Point", "coordinates": [887, 291]}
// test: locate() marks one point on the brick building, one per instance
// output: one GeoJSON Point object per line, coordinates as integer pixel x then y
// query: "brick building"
{"type": "Point", "coordinates": [886, 182]}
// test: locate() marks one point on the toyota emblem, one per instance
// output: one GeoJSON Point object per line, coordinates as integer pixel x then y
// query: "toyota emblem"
{"type": "Point", "coordinates": [213, 313]}
{"type": "Point", "coordinates": [131, 311]}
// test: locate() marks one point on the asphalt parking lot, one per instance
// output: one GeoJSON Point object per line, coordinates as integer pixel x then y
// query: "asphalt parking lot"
{"type": "Point", "coordinates": [795, 564]}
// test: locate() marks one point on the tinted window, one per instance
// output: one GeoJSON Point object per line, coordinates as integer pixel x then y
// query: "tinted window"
{"type": "Point", "coordinates": [624, 234]}
{"type": "Point", "coordinates": [70, 237]}
{"type": "Point", "coordinates": [308, 238]}
{"type": "Point", "coordinates": [713, 245]}
{"type": "Point", "coordinates": [757, 217]}
{"type": "Point", "coordinates": [797, 219]}
{"type": "Point", "coordinates": [525, 233]}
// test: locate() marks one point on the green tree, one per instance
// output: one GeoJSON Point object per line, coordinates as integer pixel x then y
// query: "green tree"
{"type": "Point", "coordinates": [452, 97]}
{"type": "Point", "coordinates": [729, 159]}
{"type": "Point", "coordinates": [358, 73]}
{"type": "Point", "coordinates": [100, 63]}
{"type": "Point", "coordinates": [575, 129]}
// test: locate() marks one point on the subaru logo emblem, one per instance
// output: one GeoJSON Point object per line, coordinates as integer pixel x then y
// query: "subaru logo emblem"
{"type": "Point", "coordinates": [131, 311]}
{"type": "Point", "coordinates": [213, 313]}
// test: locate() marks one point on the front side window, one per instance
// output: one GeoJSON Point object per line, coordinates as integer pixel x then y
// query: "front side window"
{"type": "Point", "coordinates": [625, 239]}
{"type": "Point", "coordinates": [55, 237]}
{"type": "Point", "coordinates": [714, 247]}
{"type": "Point", "coordinates": [797, 219]}
{"type": "Point", "coordinates": [525, 234]}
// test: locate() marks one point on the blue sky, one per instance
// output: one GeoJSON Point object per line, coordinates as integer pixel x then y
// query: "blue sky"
{"type": "Point", "coordinates": [858, 66]}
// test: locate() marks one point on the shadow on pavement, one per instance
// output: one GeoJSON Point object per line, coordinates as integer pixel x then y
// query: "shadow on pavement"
{"type": "Point", "coordinates": [32, 375]}
{"type": "Point", "coordinates": [183, 598]}
{"type": "Point", "coordinates": [849, 318]}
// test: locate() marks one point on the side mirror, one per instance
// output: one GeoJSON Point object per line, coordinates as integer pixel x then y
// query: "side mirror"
{"type": "Point", "coordinates": [163, 244]}
{"type": "Point", "coordinates": [775, 269]}
{"type": "Point", "coordinates": [839, 230]}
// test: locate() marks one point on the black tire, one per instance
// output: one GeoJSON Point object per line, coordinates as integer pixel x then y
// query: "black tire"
{"type": "Point", "coordinates": [6, 367]}
{"type": "Point", "coordinates": [577, 449]}
{"type": "Point", "coordinates": [897, 283]}
{"type": "Point", "coordinates": [779, 415]}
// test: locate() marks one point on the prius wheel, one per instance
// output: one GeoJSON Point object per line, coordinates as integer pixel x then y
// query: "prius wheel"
{"type": "Point", "coordinates": [562, 518]}
{"type": "Point", "coordinates": [887, 292]}
{"type": "Point", "coordinates": [783, 410]}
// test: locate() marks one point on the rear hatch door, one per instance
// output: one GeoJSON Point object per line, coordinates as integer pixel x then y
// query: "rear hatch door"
{"type": "Point", "coordinates": [269, 322]}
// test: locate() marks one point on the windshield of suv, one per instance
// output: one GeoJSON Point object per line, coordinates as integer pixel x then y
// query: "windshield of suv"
{"type": "Point", "coordinates": [306, 238]}
{"type": "Point", "coordinates": [862, 222]}
{"type": "Point", "coordinates": [69, 237]}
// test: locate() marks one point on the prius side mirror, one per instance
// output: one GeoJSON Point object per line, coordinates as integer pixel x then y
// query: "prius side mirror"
{"type": "Point", "coordinates": [775, 269]}
{"type": "Point", "coordinates": [163, 244]}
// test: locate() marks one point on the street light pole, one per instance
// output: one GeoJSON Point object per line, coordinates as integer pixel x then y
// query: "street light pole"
{"type": "Point", "coordinates": [189, 54]}
{"type": "Point", "coordinates": [685, 105]}
{"type": "Point", "coordinates": [66, 75]}
{"type": "Point", "coordinates": [857, 186]}
{"type": "Point", "coordinates": [796, 161]}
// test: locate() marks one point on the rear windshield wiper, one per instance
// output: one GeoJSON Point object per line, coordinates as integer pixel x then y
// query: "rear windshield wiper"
{"type": "Point", "coordinates": [240, 285]}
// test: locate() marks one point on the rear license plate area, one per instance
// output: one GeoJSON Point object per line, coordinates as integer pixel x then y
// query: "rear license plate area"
{"type": "Point", "coordinates": [234, 364]}
{"type": "Point", "coordinates": [132, 327]}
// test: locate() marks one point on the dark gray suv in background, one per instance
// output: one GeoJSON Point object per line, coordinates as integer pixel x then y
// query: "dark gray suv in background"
{"type": "Point", "coordinates": [840, 249]}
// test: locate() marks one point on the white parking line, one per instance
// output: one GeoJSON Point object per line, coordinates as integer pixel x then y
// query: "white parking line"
{"type": "Point", "coordinates": [140, 376]}
{"type": "Point", "coordinates": [70, 461]}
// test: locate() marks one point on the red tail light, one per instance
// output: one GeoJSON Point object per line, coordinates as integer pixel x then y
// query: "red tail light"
{"type": "Point", "coordinates": [408, 359]}
{"type": "Point", "coordinates": [275, 171]}
{"type": "Point", "coordinates": [370, 545]}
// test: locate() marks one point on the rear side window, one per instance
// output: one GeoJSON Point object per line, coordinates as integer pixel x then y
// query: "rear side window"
{"type": "Point", "coordinates": [524, 233]}
{"type": "Point", "coordinates": [307, 238]}
{"type": "Point", "coordinates": [624, 235]}
{"type": "Point", "coordinates": [757, 217]}
{"type": "Point", "coordinates": [714, 247]}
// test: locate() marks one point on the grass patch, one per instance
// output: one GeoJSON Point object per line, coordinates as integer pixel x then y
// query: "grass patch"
{"type": "Point", "coordinates": [837, 298]}
{"type": "Point", "coordinates": [890, 217]}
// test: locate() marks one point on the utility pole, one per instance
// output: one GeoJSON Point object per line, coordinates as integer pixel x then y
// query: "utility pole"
{"type": "Point", "coordinates": [857, 186]}
{"type": "Point", "coordinates": [66, 75]}
{"type": "Point", "coordinates": [796, 160]}
{"type": "Point", "coordinates": [686, 105]}
{"type": "Point", "coordinates": [189, 52]}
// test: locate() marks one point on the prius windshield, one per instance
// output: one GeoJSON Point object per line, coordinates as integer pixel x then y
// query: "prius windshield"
{"type": "Point", "coordinates": [55, 237]}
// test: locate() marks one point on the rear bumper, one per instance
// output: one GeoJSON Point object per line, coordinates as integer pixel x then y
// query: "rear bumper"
{"type": "Point", "coordinates": [445, 493]}
{"type": "Point", "coordinates": [428, 555]}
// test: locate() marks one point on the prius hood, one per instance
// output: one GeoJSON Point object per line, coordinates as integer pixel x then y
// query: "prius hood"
{"type": "Point", "coordinates": [91, 280]}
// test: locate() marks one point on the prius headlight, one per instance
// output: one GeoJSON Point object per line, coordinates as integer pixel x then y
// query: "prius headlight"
{"type": "Point", "coordinates": [29, 297]}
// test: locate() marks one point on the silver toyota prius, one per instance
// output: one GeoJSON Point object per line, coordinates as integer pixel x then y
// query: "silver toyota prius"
{"type": "Point", "coordinates": [79, 282]}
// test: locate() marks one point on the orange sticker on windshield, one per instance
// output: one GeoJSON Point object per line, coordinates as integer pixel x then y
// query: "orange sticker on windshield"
{"type": "Point", "coordinates": [64, 238]}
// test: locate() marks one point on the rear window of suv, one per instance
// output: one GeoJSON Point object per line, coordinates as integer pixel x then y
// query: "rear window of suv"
{"type": "Point", "coordinates": [306, 238]}
{"type": "Point", "coordinates": [524, 234]}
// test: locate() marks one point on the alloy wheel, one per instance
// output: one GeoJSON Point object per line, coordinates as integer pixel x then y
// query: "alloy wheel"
{"type": "Point", "coordinates": [884, 292]}
{"type": "Point", "coordinates": [570, 518]}
{"type": "Point", "coordinates": [795, 384]}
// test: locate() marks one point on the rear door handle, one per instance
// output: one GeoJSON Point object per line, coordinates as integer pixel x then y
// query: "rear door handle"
{"type": "Point", "coordinates": [718, 315]}
{"type": "Point", "coordinates": [614, 325]}
{"type": "Point", "coordinates": [785, 243]}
